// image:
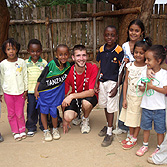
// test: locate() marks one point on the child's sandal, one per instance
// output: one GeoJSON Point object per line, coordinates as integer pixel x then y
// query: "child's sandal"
{"type": "Point", "coordinates": [23, 135]}
{"type": "Point", "coordinates": [17, 137]}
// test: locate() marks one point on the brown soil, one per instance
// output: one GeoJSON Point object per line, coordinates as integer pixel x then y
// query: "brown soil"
{"type": "Point", "coordinates": [72, 150]}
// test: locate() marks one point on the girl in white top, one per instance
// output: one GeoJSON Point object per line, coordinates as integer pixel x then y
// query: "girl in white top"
{"type": "Point", "coordinates": [14, 85]}
{"type": "Point", "coordinates": [135, 33]}
{"type": "Point", "coordinates": [153, 106]}
{"type": "Point", "coordinates": [131, 111]}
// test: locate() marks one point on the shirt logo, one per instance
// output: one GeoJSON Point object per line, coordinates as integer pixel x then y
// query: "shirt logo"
{"type": "Point", "coordinates": [114, 60]}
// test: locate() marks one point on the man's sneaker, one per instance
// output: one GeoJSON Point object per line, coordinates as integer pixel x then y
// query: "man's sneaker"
{"type": "Point", "coordinates": [129, 145]}
{"type": "Point", "coordinates": [56, 134]}
{"type": "Point", "coordinates": [118, 131]}
{"type": "Point", "coordinates": [107, 140]}
{"type": "Point", "coordinates": [76, 121]}
{"type": "Point", "coordinates": [142, 151]}
{"type": "Point", "coordinates": [1, 138]}
{"type": "Point", "coordinates": [85, 128]}
{"type": "Point", "coordinates": [30, 133]}
{"type": "Point", "coordinates": [123, 142]}
{"type": "Point", "coordinates": [103, 131]}
{"type": "Point", "coordinates": [156, 150]}
{"type": "Point", "coordinates": [47, 136]}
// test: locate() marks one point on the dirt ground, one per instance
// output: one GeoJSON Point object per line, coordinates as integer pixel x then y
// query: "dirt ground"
{"type": "Point", "coordinates": [72, 150]}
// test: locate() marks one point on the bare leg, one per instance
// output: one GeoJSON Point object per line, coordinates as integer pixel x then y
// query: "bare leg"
{"type": "Point", "coordinates": [109, 117]}
{"type": "Point", "coordinates": [136, 132]}
{"type": "Point", "coordinates": [160, 138]}
{"type": "Point", "coordinates": [54, 122]}
{"type": "Point", "coordinates": [86, 107]}
{"type": "Point", "coordinates": [69, 115]}
{"type": "Point", "coordinates": [44, 121]}
{"type": "Point", "coordinates": [106, 114]}
{"type": "Point", "coordinates": [146, 136]}
{"type": "Point", "coordinates": [131, 130]}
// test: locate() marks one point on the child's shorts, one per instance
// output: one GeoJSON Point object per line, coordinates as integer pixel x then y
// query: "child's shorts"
{"type": "Point", "coordinates": [52, 110]}
{"type": "Point", "coordinates": [111, 103]}
{"type": "Point", "coordinates": [158, 116]}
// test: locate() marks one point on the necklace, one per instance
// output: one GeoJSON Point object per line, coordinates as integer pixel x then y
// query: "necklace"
{"type": "Point", "coordinates": [75, 86]}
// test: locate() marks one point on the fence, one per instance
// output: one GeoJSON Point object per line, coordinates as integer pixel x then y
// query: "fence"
{"type": "Point", "coordinates": [62, 24]}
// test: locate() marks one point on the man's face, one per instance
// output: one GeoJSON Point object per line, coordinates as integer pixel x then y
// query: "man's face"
{"type": "Point", "coordinates": [80, 58]}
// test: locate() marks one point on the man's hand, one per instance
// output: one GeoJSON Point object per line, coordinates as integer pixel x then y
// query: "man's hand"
{"type": "Point", "coordinates": [66, 125]}
{"type": "Point", "coordinates": [66, 102]}
{"type": "Point", "coordinates": [25, 94]}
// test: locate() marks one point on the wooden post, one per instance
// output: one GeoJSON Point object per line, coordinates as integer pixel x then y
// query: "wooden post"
{"type": "Point", "coordinates": [94, 30]}
{"type": "Point", "coordinates": [50, 37]}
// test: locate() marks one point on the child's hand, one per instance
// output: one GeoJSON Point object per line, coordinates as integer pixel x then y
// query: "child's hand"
{"type": "Point", "coordinates": [113, 92]}
{"type": "Point", "coordinates": [150, 73]}
{"type": "Point", "coordinates": [96, 88]}
{"type": "Point", "coordinates": [124, 104]}
{"type": "Point", "coordinates": [126, 60]}
{"type": "Point", "coordinates": [0, 98]}
{"type": "Point", "coordinates": [25, 94]}
{"type": "Point", "coordinates": [36, 94]}
{"type": "Point", "coordinates": [149, 85]}
{"type": "Point", "coordinates": [66, 125]}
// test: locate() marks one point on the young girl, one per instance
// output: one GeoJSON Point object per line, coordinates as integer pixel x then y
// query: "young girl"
{"type": "Point", "coordinates": [153, 107]}
{"type": "Point", "coordinates": [14, 85]}
{"type": "Point", "coordinates": [131, 111]}
{"type": "Point", "coordinates": [135, 33]}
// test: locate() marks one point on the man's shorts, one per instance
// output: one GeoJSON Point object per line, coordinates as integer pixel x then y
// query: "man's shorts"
{"type": "Point", "coordinates": [52, 110]}
{"type": "Point", "coordinates": [73, 105]}
{"type": "Point", "coordinates": [111, 103]}
{"type": "Point", "coordinates": [158, 116]}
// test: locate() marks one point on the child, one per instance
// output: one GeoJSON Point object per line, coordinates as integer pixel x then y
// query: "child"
{"type": "Point", "coordinates": [110, 55]}
{"type": "Point", "coordinates": [153, 107]}
{"type": "Point", "coordinates": [14, 85]}
{"type": "Point", "coordinates": [136, 32]}
{"type": "Point", "coordinates": [131, 111]}
{"type": "Point", "coordinates": [35, 65]}
{"type": "Point", "coordinates": [51, 89]}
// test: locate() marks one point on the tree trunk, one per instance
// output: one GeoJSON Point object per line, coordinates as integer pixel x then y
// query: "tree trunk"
{"type": "Point", "coordinates": [4, 22]}
{"type": "Point", "coordinates": [144, 16]}
{"type": "Point", "coordinates": [146, 11]}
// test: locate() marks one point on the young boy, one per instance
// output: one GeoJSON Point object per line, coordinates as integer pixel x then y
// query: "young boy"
{"type": "Point", "coordinates": [35, 65]}
{"type": "Point", "coordinates": [50, 89]}
{"type": "Point", "coordinates": [109, 56]}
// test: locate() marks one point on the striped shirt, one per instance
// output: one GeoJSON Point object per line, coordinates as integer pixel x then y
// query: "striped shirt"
{"type": "Point", "coordinates": [33, 72]}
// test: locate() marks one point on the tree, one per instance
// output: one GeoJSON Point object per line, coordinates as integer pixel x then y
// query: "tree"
{"type": "Point", "coordinates": [4, 22]}
{"type": "Point", "coordinates": [124, 20]}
